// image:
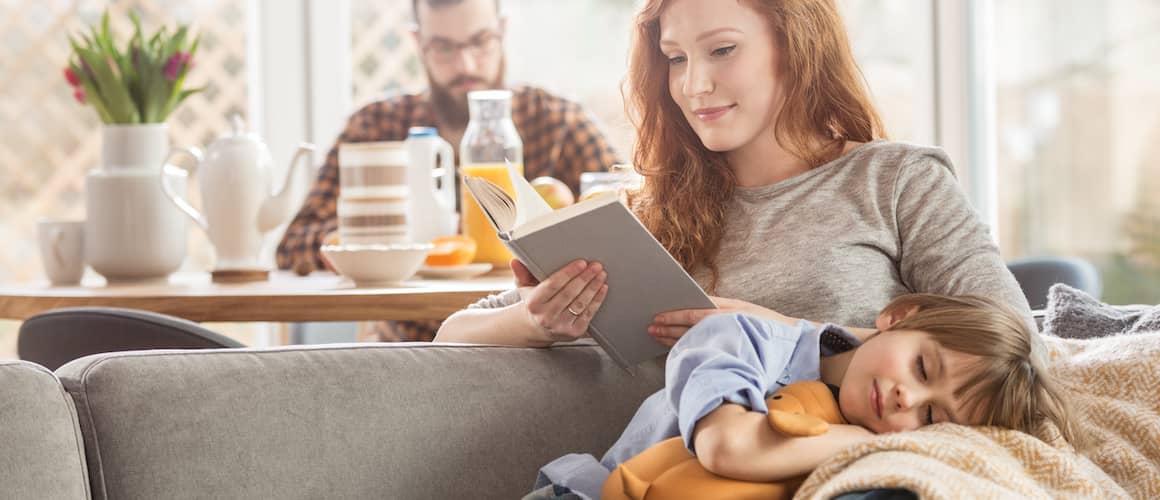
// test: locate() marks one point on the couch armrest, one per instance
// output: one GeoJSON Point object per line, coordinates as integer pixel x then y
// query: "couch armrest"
{"type": "Point", "coordinates": [41, 452]}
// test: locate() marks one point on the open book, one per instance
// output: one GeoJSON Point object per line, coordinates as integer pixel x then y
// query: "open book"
{"type": "Point", "coordinates": [643, 279]}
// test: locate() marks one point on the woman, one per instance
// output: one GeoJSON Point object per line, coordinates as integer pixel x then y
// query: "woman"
{"type": "Point", "coordinates": [766, 177]}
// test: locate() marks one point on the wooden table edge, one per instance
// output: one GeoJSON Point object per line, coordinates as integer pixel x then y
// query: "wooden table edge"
{"type": "Point", "coordinates": [283, 309]}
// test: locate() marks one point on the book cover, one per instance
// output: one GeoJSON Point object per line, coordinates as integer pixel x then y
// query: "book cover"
{"type": "Point", "coordinates": [643, 279]}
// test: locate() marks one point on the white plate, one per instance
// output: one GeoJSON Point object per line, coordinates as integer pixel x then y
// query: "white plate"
{"type": "Point", "coordinates": [454, 272]}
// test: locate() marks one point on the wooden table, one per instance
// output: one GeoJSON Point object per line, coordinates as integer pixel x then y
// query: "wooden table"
{"type": "Point", "coordinates": [284, 298]}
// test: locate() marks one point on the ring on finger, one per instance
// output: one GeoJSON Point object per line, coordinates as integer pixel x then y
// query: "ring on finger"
{"type": "Point", "coordinates": [574, 312]}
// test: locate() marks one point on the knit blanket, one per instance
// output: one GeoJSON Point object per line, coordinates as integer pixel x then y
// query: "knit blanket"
{"type": "Point", "coordinates": [1113, 384]}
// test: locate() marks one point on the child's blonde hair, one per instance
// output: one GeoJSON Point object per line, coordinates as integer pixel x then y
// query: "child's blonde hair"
{"type": "Point", "coordinates": [1010, 382]}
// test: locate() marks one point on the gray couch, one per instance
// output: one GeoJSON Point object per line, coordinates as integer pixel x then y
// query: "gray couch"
{"type": "Point", "coordinates": [41, 451]}
{"type": "Point", "coordinates": [341, 421]}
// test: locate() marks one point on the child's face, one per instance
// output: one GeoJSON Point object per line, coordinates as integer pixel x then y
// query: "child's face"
{"type": "Point", "coordinates": [902, 380]}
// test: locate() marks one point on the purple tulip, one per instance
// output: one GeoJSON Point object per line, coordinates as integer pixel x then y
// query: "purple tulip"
{"type": "Point", "coordinates": [175, 64]}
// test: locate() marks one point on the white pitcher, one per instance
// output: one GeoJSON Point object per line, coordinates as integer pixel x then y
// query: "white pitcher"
{"type": "Point", "coordinates": [431, 206]}
{"type": "Point", "coordinates": [237, 204]}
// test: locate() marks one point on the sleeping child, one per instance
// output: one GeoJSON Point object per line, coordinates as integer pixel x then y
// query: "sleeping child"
{"type": "Point", "coordinates": [966, 360]}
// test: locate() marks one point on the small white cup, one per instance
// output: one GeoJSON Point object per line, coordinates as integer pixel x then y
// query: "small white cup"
{"type": "Point", "coordinates": [62, 250]}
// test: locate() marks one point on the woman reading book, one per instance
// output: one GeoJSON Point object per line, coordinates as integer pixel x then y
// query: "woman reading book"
{"type": "Point", "coordinates": [767, 177]}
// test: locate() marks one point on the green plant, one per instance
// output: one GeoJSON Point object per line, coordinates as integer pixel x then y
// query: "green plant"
{"type": "Point", "coordinates": [141, 83]}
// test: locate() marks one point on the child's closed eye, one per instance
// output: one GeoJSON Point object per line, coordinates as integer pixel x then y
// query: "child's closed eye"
{"type": "Point", "coordinates": [929, 408]}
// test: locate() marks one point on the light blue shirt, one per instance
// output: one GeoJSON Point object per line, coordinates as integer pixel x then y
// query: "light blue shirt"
{"type": "Point", "coordinates": [725, 358]}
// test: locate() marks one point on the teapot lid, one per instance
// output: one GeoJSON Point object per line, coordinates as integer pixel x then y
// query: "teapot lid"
{"type": "Point", "coordinates": [238, 126]}
{"type": "Point", "coordinates": [238, 132]}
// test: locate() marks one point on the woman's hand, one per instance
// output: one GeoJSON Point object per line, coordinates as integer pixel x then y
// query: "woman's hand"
{"type": "Point", "coordinates": [668, 327]}
{"type": "Point", "coordinates": [562, 305]}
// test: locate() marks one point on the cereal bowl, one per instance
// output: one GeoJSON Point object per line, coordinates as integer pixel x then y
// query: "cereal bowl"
{"type": "Point", "coordinates": [376, 265]}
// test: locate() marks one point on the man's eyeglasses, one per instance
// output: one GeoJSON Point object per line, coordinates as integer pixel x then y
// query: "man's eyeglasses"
{"type": "Point", "coordinates": [444, 51]}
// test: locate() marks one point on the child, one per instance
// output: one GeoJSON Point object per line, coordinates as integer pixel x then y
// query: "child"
{"type": "Point", "coordinates": [966, 360]}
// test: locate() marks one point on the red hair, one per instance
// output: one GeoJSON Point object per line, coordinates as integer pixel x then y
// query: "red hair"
{"type": "Point", "coordinates": [686, 186]}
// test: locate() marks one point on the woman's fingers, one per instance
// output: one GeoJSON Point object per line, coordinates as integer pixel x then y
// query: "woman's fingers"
{"type": "Point", "coordinates": [524, 277]}
{"type": "Point", "coordinates": [668, 327]}
{"type": "Point", "coordinates": [684, 317]}
{"type": "Point", "coordinates": [563, 304]}
{"type": "Point", "coordinates": [546, 290]}
{"type": "Point", "coordinates": [579, 326]}
{"type": "Point", "coordinates": [674, 332]}
{"type": "Point", "coordinates": [583, 301]}
{"type": "Point", "coordinates": [667, 335]}
{"type": "Point", "coordinates": [566, 302]}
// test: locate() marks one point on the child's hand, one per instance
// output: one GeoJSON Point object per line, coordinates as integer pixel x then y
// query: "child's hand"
{"type": "Point", "coordinates": [563, 304]}
{"type": "Point", "coordinates": [668, 327]}
{"type": "Point", "coordinates": [736, 443]}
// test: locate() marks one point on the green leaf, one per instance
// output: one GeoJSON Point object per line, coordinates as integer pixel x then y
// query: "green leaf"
{"type": "Point", "coordinates": [104, 38]}
{"type": "Point", "coordinates": [90, 42]}
{"type": "Point", "coordinates": [175, 43]}
{"type": "Point", "coordinates": [193, 46]}
{"type": "Point", "coordinates": [179, 97]}
{"type": "Point", "coordinates": [115, 95]}
{"type": "Point", "coordinates": [156, 95]}
{"type": "Point", "coordinates": [94, 98]}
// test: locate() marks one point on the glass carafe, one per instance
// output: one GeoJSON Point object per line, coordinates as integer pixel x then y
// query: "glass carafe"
{"type": "Point", "coordinates": [489, 142]}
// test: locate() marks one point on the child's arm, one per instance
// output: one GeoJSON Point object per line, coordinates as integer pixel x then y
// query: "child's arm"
{"type": "Point", "coordinates": [734, 442]}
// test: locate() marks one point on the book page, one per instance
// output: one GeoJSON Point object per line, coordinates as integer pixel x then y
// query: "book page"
{"type": "Point", "coordinates": [496, 204]}
{"type": "Point", "coordinates": [529, 203]}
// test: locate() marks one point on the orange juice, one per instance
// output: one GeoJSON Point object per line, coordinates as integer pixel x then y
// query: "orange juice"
{"type": "Point", "coordinates": [475, 224]}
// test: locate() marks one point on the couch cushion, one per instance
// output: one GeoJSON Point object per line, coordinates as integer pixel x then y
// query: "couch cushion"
{"type": "Point", "coordinates": [367, 421]}
{"type": "Point", "coordinates": [41, 453]}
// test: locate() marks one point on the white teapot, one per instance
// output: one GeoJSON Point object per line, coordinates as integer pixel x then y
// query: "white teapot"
{"type": "Point", "coordinates": [237, 203]}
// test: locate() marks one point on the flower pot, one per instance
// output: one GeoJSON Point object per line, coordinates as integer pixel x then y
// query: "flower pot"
{"type": "Point", "coordinates": [132, 231]}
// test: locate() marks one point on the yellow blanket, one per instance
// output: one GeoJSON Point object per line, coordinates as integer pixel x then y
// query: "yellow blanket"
{"type": "Point", "coordinates": [1113, 384]}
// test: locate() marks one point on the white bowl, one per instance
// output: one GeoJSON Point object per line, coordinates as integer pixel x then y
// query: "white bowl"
{"type": "Point", "coordinates": [373, 265]}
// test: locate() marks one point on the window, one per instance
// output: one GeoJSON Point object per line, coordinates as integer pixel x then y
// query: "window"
{"type": "Point", "coordinates": [1078, 124]}
{"type": "Point", "coordinates": [892, 43]}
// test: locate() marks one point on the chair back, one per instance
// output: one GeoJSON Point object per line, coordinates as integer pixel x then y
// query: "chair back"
{"type": "Point", "coordinates": [1036, 275]}
{"type": "Point", "coordinates": [56, 337]}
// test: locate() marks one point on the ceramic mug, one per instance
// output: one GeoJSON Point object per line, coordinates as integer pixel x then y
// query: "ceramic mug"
{"type": "Point", "coordinates": [62, 250]}
{"type": "Point", "coordinates": [373, 193]}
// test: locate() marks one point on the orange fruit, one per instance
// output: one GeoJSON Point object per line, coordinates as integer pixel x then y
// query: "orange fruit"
{"type": "Point", "coordinates": [455, 250]}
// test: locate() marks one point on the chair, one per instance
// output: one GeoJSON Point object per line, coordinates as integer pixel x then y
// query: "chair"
{"type": "Point", "coordinates": [1036, 275]}
{"type": "Point", "coordinates": [56, 337]}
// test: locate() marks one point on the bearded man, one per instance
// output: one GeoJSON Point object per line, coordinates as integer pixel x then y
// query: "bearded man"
{"type": "Point", "coordinates": [461, 47]}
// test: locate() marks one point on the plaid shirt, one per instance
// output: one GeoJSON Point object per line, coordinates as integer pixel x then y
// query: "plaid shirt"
{"type": "Point", "coordinates": [559, 139]}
